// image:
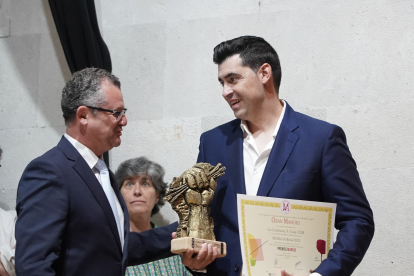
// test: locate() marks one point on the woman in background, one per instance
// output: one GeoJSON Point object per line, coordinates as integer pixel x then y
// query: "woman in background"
{"type": "Point", "coordinates": [143, 188]}
{"type": "Point", "coordinates": [7, 240]}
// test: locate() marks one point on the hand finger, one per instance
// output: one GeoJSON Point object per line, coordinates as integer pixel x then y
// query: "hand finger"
{"type": "Point", "coordinates": [199, 181]}
{"type": "Point", "coordinates": [173, 234]}
{"type": "Point", "coordinates": [284, 273]}
{"type": "Point", "coordinates": [204, 179]}
{"type": "Point", "coordinates": [197, 262]}
{"type": "Point", "coordinates": [191, 181]}
{"type": "Point", "coordinates": [210, 256]}
{"type": "Point", "coordinates": [186, 258]}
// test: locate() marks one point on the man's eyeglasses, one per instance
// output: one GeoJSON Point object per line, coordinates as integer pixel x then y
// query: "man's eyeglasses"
{"type": "Point", "coordinates": [118, 114]}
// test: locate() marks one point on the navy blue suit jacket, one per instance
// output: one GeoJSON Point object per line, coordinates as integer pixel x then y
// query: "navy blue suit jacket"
{"type": "Point", "coordinates": [66, 226]}
{"type": "Point", "coordinates": [310, 160]}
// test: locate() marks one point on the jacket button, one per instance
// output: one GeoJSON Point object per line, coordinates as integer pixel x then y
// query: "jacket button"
{"type": "Point", "coordinates": [236, 268]}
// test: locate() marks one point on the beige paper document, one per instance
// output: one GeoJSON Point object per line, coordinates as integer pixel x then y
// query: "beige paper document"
{"type": "Point", "coordinates": [278, 233]}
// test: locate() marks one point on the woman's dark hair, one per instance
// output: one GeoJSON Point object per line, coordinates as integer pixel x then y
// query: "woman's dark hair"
{"type": "Point", "coordinates": [142, 166]}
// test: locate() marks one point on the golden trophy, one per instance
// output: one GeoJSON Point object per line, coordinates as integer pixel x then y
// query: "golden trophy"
{"type": "Point", "coordinates": [190, 196]}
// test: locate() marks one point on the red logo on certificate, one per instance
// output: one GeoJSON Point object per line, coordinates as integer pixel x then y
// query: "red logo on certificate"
{"type": "Point", "coordinates": [285, 207]}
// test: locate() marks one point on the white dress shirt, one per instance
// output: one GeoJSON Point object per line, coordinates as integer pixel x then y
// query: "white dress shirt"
{"type": "Point", "coordinates": [91, 159]}
{"type": "Point", "coordinates": [254, 163]}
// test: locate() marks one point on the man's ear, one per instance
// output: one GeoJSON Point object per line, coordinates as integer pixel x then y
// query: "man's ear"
{"type": "Point", "coordinates": [265, 73]}
{"type": "Point", "coordinates": [82, 114]}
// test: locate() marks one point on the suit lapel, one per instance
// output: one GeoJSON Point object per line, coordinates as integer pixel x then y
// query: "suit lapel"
{"type": "Point", "coordinates": [114, 184]}
{"type": "Point", "coordinates": [281, 150]}
{"type": "Point", "coordinates": [235, 158]}
{"type": "Point", "coordinates": [121, 200]}
{"type": "Point", "coordinates": [83, 170]}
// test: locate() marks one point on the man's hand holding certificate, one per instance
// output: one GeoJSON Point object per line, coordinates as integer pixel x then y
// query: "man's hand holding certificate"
{"type": "Point", "coordinates": [282, 234]}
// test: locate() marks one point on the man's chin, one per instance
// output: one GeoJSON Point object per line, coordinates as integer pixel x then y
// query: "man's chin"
{"type": "Point", "coordinates": [239, 115]}
{"type": "Point", "coordinates": [116, 143]}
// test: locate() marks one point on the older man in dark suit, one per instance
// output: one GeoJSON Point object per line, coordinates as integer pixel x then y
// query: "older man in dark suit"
{"type": "Point", "coordinates": [72, 219]}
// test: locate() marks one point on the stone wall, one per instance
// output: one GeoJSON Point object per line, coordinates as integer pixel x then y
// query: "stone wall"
{"type": "Point", "coordinates": [346, 62]}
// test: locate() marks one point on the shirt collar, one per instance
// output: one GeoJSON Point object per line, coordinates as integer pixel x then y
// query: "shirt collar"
{"type": "Point", "coordinates": [246, 131]}
{"type": "Point", "coordinates": [89, 156]}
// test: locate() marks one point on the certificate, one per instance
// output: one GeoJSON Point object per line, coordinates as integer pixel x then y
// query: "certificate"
{"type": "Point", "coordinates": [278, 233]}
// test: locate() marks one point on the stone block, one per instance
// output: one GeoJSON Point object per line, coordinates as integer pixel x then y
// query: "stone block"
{"type": "Point", "coordinates": [318, 113]}
{"type": "Point", "coordinates": [138, 59]}
{"type": "Point", "coordinates": [19, 67]}
{"type": "Point", "coordinates": [5, 18]}
{"type": "Point", "coordinates": [8, 198]}
{"type": "Point", "coordinates": [30, 17]}
{"type": "Point", "coordinates": [389, 191]}
{"type": "Point", "coordinates": [20, 146]}
{"type": "Point", "coordinates": [354, 50]}
{"type": "Point", "coordinates": [210, 122]}
{"type": "Point", "coordinates": [143, 12]}
{"type": "Point", "coordinates": [52, 78]}
{"type": "Point", "coordinates": [379, 135]}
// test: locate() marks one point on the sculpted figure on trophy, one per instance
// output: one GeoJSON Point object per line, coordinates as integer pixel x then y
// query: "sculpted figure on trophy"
{"type": "Point", "coordinates": [190, 196]}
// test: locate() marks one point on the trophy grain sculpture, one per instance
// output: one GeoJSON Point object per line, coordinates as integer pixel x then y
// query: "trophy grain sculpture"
{"type": "Point", "coordinates": [190, 196]}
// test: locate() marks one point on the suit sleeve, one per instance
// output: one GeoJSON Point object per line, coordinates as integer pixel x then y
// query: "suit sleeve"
{"type": "Point", "coordinates": [354, 219]}
{"type": "Point", "coordinates": [42, 205]}
{"type": "Point", "coordinates": [200, 157]}
{"type": "Point", "coordinates": [151, 245]}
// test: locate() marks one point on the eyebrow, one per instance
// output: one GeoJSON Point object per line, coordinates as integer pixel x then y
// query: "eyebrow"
{"type": "Point", "coordinates": [229, 75]}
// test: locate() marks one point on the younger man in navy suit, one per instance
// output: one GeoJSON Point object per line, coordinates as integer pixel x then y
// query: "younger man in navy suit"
{"type": "Point", "coordinates": [271, 150]}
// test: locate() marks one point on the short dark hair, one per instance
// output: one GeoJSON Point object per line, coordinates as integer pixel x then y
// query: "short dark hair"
{"type": "Point", "coordinates": [254, 52]}
{"type": "Point", "coordinates": [142, 166]}
{"type": "Point", "coordinates": [84, 88]}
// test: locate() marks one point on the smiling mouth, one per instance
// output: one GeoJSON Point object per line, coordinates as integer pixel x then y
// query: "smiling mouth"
{"type": "Point", "coordinates": [234, 102]}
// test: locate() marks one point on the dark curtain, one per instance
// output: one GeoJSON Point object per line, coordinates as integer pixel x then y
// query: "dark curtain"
{"type": "Point", "coordinates": [78, 30]}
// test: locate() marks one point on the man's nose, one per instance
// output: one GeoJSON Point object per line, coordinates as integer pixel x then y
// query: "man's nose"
{"type": "Point", "coordinates": [123, 121]}
{"type": "Point", "coordinates": [227, 91]}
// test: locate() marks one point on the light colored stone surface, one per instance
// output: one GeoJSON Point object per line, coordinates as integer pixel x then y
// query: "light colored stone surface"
{"type": "Point", "coordinates": [4, 18]}
{"type": "Point", "coordinates": [8, 198]}
{"type": "Point", "coordinates": [20, 146]}
{"type": "Point", "coordinates": [30, 17]}
{"type": "Point", "coordinates": [53, 76]}
{"type": "Point", "coordinates": [19, 71]}
{"type": "Point", "coordinates": [390, 193]}
{"type": "Point", "coordinates": [357, 49]}
{"type": "Point", "coordinates": [141, 12]}
{"type": "Point", "coordinates": [210, 122]}
{"type": "Point", "coordinates": [138, 59]}
{"type": "Point", "coordinates": [318, 113]}
{"type": "Point", "coordinates": [378, 134]}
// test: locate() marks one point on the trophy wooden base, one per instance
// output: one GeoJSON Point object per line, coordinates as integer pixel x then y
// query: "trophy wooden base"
{"type": "Point", "coordinates": [181, 245]}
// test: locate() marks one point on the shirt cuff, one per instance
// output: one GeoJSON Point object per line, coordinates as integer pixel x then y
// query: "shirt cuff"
{"type": "Point", "coordinates": [315, 274]}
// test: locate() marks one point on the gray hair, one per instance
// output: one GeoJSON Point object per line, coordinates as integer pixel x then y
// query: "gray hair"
{"type": "Point", "coordinates": [142, 166]}
{"type": "Point", "coordinates": [84, 88]}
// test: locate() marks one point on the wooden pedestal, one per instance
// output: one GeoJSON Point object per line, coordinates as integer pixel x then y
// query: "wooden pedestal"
{"type": "Point", "coordinates": [181, 245]}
